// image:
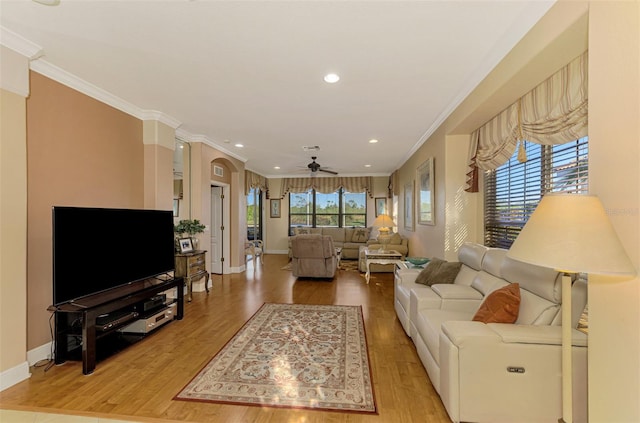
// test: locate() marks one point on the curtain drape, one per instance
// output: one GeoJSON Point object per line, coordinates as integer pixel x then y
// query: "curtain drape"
{"type": "Point", "coordinates": [253, 180]}
{"type": "Point", "coordinates": [327, 185]}
{"type": "Point", "coordinates": [554, 112]}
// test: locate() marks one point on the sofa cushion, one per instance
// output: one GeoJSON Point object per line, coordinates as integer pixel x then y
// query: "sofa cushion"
{"type": "Point", "coordinates": [337, 234]}
{"type": "Point", "coordinates": [360, 235]}
{"type": "Point", "coordinates": [395, 239]}
{"type": "Point", "coordinates": [439, 271]}
{"type": "Point", "coordinates": [501, 306]}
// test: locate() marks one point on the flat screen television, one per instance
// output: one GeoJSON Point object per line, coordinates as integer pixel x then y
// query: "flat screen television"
{"type": "Point", "coordinates": [97, 249]}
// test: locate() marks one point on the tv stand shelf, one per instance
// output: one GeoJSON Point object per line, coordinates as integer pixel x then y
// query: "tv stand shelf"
{"type": "Point", "coordinates": [78, 318]}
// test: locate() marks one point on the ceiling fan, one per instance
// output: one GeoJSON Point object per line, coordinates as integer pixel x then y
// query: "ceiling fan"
{"type": "Point", "coordinates": [315, 167]}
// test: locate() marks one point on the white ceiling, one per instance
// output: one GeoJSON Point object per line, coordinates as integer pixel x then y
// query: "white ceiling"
{"type": "Point", "coordinates": [246, 72]}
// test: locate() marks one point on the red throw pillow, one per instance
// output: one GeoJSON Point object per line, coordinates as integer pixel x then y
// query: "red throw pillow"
{"type": "Point", "coordinates": [501, 306]}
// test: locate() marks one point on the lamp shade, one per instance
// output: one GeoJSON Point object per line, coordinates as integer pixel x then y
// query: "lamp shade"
{"type": "Point", "coordinates": [572, 233]}
{"type": "Point", "coordinates": [383, 221]}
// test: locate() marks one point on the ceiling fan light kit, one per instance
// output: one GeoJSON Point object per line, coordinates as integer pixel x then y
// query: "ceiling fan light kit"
{"type": "Point", "coordinates": [315, 167]}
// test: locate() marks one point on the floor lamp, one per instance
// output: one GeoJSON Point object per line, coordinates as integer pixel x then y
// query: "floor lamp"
{"type": "Point", "coordinates": [571, 233]}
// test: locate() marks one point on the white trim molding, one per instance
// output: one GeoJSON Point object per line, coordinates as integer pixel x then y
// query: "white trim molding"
{"type": "Point", "coordinates": [20, 44]}
{"type": "Point", "coordinates": [14, 375]}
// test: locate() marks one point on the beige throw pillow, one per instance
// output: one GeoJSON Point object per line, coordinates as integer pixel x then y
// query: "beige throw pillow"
{"type": "Point", "coordinates": [439, 271]}
{"type": "Point", "coordinates": [360, 235]}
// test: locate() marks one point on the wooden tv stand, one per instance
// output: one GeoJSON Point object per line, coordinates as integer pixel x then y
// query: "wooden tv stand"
{"type": "Point", "coordinates": [118, 301]}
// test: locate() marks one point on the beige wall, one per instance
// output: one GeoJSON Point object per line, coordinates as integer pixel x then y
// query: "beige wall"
{"type": "Point", "coordinates": [202, 157]}
{"type": "Point", "coordinates": [13, 226]}
{"type": "Point", "coordinates": [614, 175]}
{"type": "Point", "coordinates": [80, 153]}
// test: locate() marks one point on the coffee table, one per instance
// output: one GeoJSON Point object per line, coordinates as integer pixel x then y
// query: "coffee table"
{"type": "Point", "coordinates": [379, 257]}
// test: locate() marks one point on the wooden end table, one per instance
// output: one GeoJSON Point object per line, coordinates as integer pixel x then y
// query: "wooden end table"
{"type": "Point", "coordinates": [191, 266]}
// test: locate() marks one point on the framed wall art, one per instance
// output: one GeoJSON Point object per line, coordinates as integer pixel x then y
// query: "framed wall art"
{"type": "Point", "coordinates": [425, 177]}
{"type": "Point", "coordinates": [408, 206]}
{"type": "Point", "coordinates": [381, 206]}
{"type": "Point", "coordinates": [275, 207]}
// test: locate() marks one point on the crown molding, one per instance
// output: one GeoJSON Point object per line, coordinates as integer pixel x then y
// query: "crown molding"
{"type": "Point", "coordinates": [160, 117]}
{"type": "Point", "coordinates": [20, 44]}
{"type": "Point", "coordinates": [187, 136]}
{"type": "Point", "coordinates": [60, 75]}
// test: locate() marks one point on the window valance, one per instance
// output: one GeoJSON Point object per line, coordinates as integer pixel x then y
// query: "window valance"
{"type": "Point", "coordinates": [253, 180]}
{"type": "Point", "coordinates": [327, 185]}
{"type": "Point", "coordinates": [554, 112]}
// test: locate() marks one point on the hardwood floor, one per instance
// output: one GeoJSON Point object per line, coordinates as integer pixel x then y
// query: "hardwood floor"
{"type": "Point", "coordinates": [138, 384]}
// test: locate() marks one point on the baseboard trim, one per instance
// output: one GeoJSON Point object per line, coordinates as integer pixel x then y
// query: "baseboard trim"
{"type": "Point", "coordinates": [43, 352]}
{"type": "Point", "coordinates": [14, 375]}
{"type": "Point", "coordinates": [276, 251]}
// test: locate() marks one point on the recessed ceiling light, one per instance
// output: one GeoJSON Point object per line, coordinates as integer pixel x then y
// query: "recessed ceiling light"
{"type": "Point", "coordinates": [331, 78]}
{"type": "Point", "coordinates": [367, 165]}
{"type": "Point", "coordinates": [239, 145]}
{"type": "Point", "coordinates": [182, 146]}
{"type": "Point", "coordinates": [373, 141]}
{"type": "Point", "coordinates": [276, 167]}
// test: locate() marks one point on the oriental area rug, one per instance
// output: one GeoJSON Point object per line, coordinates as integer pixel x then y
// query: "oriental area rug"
{"type": "Point", "coordinates": [295, 356]}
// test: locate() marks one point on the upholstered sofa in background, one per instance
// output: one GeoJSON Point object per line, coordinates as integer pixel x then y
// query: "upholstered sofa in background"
{"type": "Point", "coordinates": [313, 256]}
{"type": "Point", "coordinates": [498, 372]}
{"type": "Point", "coordinates": [349, 239]}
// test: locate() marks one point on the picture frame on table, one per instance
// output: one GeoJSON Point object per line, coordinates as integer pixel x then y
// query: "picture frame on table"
{"type": "Point", "coordinates": [425, 179]}
{"type": "Point", "coordinates": [408, 206]}
{"type": "Point", "coordinates": [381, 206]}
{"type": "Point", "coordinates": [186, 246]}
{"type": "Point", "coordinates": [274, 207]}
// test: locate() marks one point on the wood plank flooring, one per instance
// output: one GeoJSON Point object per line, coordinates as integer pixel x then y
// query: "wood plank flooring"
{"type": "Point", "coordinates": [138, 384]}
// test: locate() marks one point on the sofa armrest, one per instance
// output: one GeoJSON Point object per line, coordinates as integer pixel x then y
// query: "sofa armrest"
{"type": "Point", "coordinates": [533, 334]}
{"type": "Point", "coordinates": [490, 372]}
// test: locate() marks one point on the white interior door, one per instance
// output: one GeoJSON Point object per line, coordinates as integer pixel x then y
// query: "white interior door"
{"type": "Point", "coordinates": [217, 229]}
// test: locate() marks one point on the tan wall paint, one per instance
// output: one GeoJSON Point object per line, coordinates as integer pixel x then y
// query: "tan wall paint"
{"type": "Point", "coordinates": [80, 153]}
{"type": "Point", "coordinates": [202, 157]}
{"type": "Point", "coordinates": [13, 225]}
{"type": "Point", "coordinates": [614, 175]}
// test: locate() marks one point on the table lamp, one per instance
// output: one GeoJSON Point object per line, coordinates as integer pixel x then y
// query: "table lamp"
{"type": "Point", "coordinates": [571, 233]}
{"type": "Point", "coordinates": [383, 222]}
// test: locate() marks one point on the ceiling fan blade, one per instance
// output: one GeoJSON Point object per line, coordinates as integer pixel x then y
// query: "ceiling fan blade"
{"type": "Point", "coordinates": [328, 171]}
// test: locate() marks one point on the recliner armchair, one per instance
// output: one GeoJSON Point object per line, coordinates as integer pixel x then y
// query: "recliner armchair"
{"type": "Point", "coordinates": [313, 256]}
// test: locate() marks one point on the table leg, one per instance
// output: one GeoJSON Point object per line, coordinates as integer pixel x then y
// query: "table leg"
{"type": "Point", "coordinates": [206, 282]}
{"type": "Point", "coordinates": [368, 274]}
{"type": "Point", "coordinates": [188, 280]}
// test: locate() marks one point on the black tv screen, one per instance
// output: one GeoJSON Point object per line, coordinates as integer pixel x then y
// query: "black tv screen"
{"type": "Point", "coordinates": [97, 249]}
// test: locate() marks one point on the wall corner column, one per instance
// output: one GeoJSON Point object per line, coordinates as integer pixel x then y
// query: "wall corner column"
{"type": "Point", "coordinates": [159, 144]}
{"type": "Point", "coordinates": [14, 89]}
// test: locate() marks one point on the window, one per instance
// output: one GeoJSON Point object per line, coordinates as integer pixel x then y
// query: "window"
{"type": "Point", "coordinates": [254, 214]}
{"type": "Point", "coordinates": [513, 191]}
{"type": "Point", "coordinates": [336, 209]}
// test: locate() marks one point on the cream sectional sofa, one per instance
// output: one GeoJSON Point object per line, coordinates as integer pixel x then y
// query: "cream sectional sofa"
{"type": "Point", "coordinates": [351, 239]}
{"type": "Point", "coordinates": [495, 372]}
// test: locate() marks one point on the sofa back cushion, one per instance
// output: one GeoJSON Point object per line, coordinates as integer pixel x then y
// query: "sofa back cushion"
{"type": "Point", "coordinates": [337, 234]}
{"type": "Point", "coordinates": [470, 255]}
{"type": "Point", "coordinates": [542, 281]}
{"type": "Point", "coordinates": [307, 231]}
